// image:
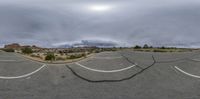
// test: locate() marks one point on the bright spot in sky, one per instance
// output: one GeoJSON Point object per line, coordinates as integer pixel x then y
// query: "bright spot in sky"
{"type": "Point", "coordinates": [99, 8]}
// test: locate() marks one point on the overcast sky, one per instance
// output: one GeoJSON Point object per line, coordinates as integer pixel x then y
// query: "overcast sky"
{"type": "Point", "coordinates": [49, 23]}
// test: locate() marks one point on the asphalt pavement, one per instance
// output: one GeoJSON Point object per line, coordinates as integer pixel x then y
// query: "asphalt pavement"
{"type": "Point", "coordinates": [107, 75]}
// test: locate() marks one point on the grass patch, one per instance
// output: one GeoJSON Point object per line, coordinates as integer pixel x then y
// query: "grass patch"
{"type": "Point", "coordinates": [160, 50]}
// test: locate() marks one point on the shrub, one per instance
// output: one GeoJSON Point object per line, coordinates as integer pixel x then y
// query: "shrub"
{"type": "Point", "coordinates": [50, 56]}
{"type": "Point", "coordinates": [151, 47]}
{"type": "Point", "coordinates": [145, 46]}
{"type": "Point", "coordinates": [162, 47]}
{"type": "Point", "coordinates": [27, 50]}
{"type": "Point", "coordinates": [137, 47]}
{"type": "Point", "coordinates": [96, 51]}
{"type": "Point", "coordinates": [9, 50]}
{"type": "Point", "coordinates": [83, 55]}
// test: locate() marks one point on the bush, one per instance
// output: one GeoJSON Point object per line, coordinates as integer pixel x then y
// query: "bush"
{"type": "Point", "coordinates": [145, 46]}
{"type": "Point", "coordinates": [50, 56]}
{"type": "Point", "coordinates": [9, 50]}
{"type": "Point", "coordinates": [137, 47]}
{"type": "Point", "coordinates": [27, 50]}
{"type": "Point", "coordinates": [162, 47]}
{"type": "Point", "coordinates": [96, 51]}
{"type": "Point", "coordinates": [83, 55]}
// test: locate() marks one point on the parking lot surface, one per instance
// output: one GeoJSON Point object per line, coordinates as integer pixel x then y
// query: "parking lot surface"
{"type": "Point", "coordinates": [107, 75]}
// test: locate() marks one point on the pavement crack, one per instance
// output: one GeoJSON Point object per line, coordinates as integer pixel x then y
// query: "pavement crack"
{"type": "Point", "coordinates": [127, 59]}
{"type": "Point", "coordinates": [118, 80]}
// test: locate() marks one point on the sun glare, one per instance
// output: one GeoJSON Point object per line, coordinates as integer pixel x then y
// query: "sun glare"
{"type": "Point", "coordinates": [99, 8]}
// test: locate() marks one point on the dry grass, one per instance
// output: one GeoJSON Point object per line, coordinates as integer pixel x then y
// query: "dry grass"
{"type": "Point", "coordinates": [163, 50]}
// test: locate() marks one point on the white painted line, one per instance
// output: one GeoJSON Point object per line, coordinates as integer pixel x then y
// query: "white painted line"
{"type": "Point", "coordinates": [104, 71]}
{"type": "Point", "coordinates": [196, 60]}
{"type": "Point", "coordinates": [25, 75]}
{"type": "Point", "coordinates": [195, 76]}
{"type": "Point", "coordinates": [7, 60]}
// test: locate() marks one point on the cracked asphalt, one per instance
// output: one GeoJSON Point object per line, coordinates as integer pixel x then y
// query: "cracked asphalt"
{"type": "Point", "coordinates": [153, 77]}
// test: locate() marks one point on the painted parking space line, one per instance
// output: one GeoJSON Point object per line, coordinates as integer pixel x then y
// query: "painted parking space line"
{"type": "Point", "coordinates": [104, 71]}
{"type": "Point", "coordinates": [25, 75]}
{"type": "Point", "coordinates": [195, 60]}
{"type": "Point", "coordinates": [186, 73]}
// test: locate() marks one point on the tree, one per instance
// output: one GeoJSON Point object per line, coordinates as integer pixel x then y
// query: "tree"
{"type": "Point", "coordinates": [151, 47]}
{"type": "Point", "coordinates": [50, 56]}
{"type": "Point", "coordinates": [137, 47]}
{"type": "Point", "coordinates": [27, 50]}
{"type": "Point", "coordinates": [162, 47]}
{"type": "Point", "coordinates": [145, 46]}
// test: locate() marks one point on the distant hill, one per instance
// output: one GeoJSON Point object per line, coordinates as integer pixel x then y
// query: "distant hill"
{"type": "Point", "coordinates": [18, 46]}
{"type": "Point", "coordinates": [91, 43]}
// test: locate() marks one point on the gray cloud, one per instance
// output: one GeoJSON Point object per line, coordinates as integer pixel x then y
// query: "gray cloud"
{"type": "Point", "coordinates": [49, 22]}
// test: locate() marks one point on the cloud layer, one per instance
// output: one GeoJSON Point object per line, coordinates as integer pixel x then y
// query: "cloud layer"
{"type": "Point", "coordinates": [48, 22]}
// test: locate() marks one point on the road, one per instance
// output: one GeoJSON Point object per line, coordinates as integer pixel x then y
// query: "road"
{"type": "Point", "coordinates": [107, 75]}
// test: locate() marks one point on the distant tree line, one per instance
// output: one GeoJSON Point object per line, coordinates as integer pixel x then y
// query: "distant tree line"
{"type": "Point", "coordinates": [8, 50]}
{"type": "Point", "coordinates": [146, 46]}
